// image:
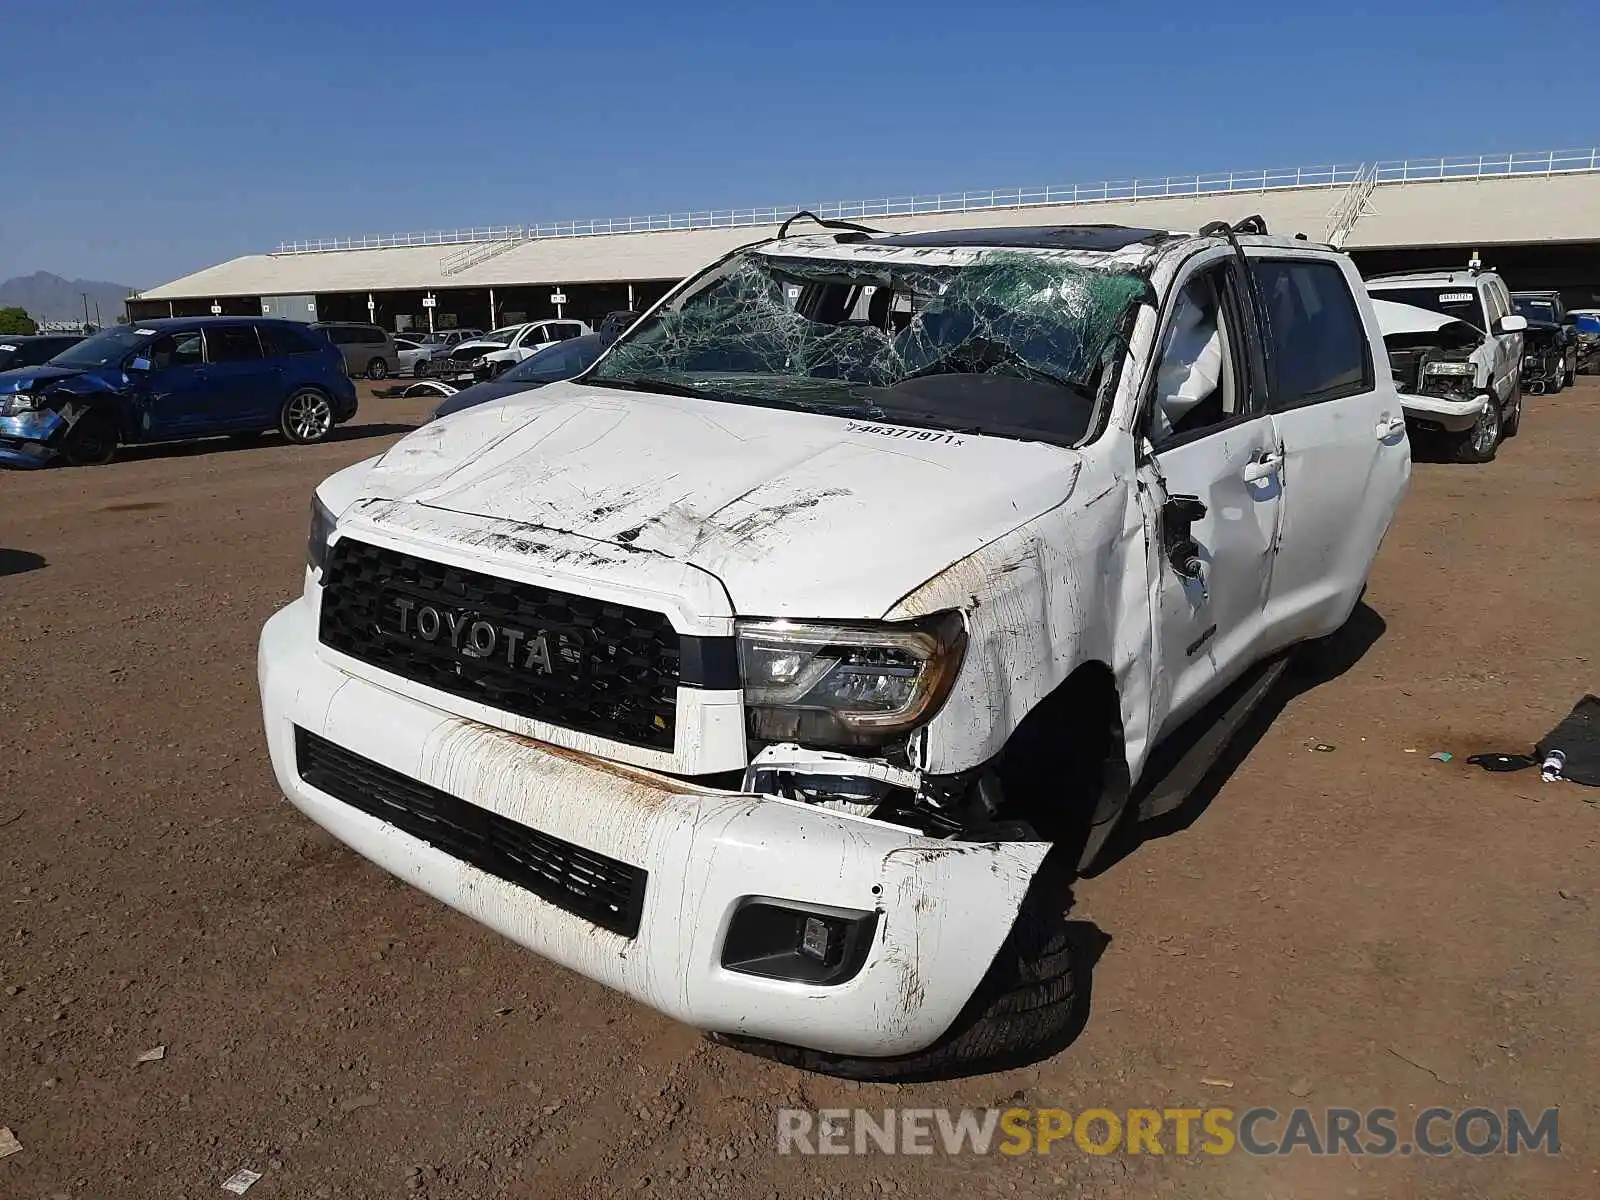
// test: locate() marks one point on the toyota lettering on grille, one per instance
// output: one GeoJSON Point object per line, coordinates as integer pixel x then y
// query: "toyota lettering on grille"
{"type": "Point", "coordinates": [473, 636]}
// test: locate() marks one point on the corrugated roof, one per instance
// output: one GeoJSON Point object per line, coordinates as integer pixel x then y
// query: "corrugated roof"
{"type": "Point", "coordinates": [1448, 212]}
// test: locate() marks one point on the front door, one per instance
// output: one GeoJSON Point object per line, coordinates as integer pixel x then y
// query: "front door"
{"type": "Point", "coordinates": [1340, 422]}
{"type": "Point", "coordinates": [171, 393]}
{"type": "Point", "coordinates": [1211, 481]}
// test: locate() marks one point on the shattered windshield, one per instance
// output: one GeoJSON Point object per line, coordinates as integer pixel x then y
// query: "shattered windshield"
{"type": "Point", "coordinates": [1007, 343]}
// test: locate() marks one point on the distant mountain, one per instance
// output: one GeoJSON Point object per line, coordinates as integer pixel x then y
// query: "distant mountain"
{"type": "Point", "coordinates": [49, 297]}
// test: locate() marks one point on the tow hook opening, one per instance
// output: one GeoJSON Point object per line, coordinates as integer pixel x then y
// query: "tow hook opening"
{"type": "Point", "coordinates": [797, 942]}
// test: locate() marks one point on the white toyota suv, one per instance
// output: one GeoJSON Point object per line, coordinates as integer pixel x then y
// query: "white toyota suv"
{"type": "Point", "coordinates": [1454, 343]}
{"type": "Point", "coordinates": [758, 671]}
{"type": "Point", "coordinates": [492, 354]}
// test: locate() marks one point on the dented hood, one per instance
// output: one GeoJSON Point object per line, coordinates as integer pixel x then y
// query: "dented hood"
{"type": "Point", "coordinates": [798, 514]}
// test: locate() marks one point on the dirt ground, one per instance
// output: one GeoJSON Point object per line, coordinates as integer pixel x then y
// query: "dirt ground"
{"type": "Point", "coordinates": [1361, 926]}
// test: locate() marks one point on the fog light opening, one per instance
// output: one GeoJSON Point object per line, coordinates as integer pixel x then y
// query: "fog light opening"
{"type": "Point", "coordinates": [798, 942]}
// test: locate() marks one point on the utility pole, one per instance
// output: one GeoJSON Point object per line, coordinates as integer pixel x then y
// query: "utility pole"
{"type": "Point", "coordinates": [85, 296]}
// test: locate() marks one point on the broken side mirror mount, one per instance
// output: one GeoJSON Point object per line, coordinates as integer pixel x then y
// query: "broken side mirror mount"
{"type": "Point", "coordinates": [1178, 514]}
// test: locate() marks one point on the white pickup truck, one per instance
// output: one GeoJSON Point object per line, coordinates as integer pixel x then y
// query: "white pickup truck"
{"type": "Point", "coordinates": [492, 354]}
{"type": "Point", "coordinates": [758, 671]}
{"type": "Point", "coordinates": [1454, 344]}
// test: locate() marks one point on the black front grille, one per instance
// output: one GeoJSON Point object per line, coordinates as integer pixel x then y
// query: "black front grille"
{"type": "Point", "coordinates": [574, 661]}
{"type": "Point", "coordinates": [584, 883]}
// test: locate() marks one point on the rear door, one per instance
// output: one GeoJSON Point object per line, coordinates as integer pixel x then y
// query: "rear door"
{"type": "Point", "coordinates": [1208, 437]}
{"type": "Point", "coordinates": [1340, 424]}
{"type": "Point", "coordinates": [245, 386]}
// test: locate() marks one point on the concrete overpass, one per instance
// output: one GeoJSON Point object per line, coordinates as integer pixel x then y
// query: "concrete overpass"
{"type": "Point", "coordinates": [1534, 217]}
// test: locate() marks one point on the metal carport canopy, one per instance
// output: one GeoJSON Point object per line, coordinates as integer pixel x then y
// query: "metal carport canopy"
{"type": "Point", "coordinates": [1488, 211]}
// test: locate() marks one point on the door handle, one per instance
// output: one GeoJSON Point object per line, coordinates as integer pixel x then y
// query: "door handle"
{"type": "Point", "coordinates": [1265, 467]}
{"type": "Point", "coordinates": [1387, 427]}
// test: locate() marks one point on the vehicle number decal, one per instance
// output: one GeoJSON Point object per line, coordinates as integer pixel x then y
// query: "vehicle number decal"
{"type": "Point", "coordinates": [900, 431]}
{"type": "Point", "coordinates": [1456, 298]}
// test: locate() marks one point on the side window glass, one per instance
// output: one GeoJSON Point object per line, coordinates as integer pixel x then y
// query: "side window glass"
{"type": "Point", "coordinates": [232, 343]}
{"type": "Point", "coordinates": [175, 350]}
{"type": "Point", "coordinates": [1198, 383]}
{"type": "Point", "coordinates": [279, 341]}
{"type": "Point", "coordinates": [1319, 346]}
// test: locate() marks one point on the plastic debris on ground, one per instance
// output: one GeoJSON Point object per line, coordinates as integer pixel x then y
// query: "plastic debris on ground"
{"type": "Point", "coordinates": [240, 1181]}
{"type": "Point", "coordinates": [1441, 755]}
{"type": "Point", "coordinates": [154, 1054]}
{"type": "Point", "coordinates": [8, 1142]}
{"type": "Point", "coordinates": [1550, 768]}
{"type": "Point", "coordinates": [1322, 748]}
{"type": "Point", "coordinates": [1502, 762]}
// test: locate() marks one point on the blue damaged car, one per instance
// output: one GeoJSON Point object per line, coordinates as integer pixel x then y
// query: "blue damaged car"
{"type": "Point", "coordinates": [170, 380]}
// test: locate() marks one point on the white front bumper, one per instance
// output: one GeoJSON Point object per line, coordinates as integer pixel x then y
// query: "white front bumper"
{"type": "Point", "coordinates": [944, 907]}
{"type": "Point", "coordinates": [1454, 415]}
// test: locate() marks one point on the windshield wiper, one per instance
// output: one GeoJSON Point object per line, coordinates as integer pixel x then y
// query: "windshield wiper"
{"type": "Point", "coordinates": [994, 354]}
{"type": "Point", "coordinates": [671, 387]}
{"type": "Point", "coordinates": [646, 383]}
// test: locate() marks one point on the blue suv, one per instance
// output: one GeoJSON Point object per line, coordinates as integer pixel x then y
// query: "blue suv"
{"type": "Point", "coordinates": [167, 380]}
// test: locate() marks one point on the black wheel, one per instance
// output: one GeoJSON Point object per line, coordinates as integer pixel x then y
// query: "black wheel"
{"type": "Point", "coordinates": [419, 369]}
{"type": "Point", "coordinates": [1570, 377]}
{"type": "Point", "coordinates": [1558, 379]}
{"type": "Point", "coordinates": [1478, 444]}
{"type": "Point", "coordinates": [92, 442]}
{"type": "Point", "coordinates": [1028, 1005]}
{"type": "Point", "coordinates": [377, 369]}
{"type": "Point", "coordinates": [1513, 417]}
{"type": "Point", "coordinates": [307, 417]}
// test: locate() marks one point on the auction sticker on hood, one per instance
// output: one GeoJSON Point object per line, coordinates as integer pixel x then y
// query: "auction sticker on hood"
{"type": "Point", "coordinates": [1456, 298]}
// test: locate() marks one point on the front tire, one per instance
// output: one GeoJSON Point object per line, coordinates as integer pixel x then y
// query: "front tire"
{"type": "Point", "coordinates": [1479, 444]}
{"type": "Point", "coordinates": [92, 442]}
{"type": "Point", "coordinates": [307, 417]}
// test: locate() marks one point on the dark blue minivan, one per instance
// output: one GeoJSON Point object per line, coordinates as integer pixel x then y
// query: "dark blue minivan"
{"type": "Point", "coordinates": [167, 380]}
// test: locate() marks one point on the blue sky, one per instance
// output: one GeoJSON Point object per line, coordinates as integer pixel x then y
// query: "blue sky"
{"type": "Point", "coordinates": [143, 141]}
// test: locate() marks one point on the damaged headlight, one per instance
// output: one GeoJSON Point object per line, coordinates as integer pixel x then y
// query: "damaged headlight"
{"type": "Point", "coordinates": [18, 403]}
{"type": "Point", "coordinates": [1448, 368]}
{"type": "Point", "coordinates": [847, 685]}
{"type": "Point", "coordinates": [322, 523]}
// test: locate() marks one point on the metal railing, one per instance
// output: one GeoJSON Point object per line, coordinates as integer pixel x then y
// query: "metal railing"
{"type": "Point", "coordinates": [1415, 170]}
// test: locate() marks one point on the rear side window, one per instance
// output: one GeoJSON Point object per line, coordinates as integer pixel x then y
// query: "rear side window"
{"type": "Point", "coordinates": [1319, 347]}
{"type": "Point", "coordinates": [232, 343]}
{"type": "Point", "coordinates": [339, 335]}
{"type": "Point", "coordinates": [280, 341]}
{"type": "Point", "coordinates": [368, 335]}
